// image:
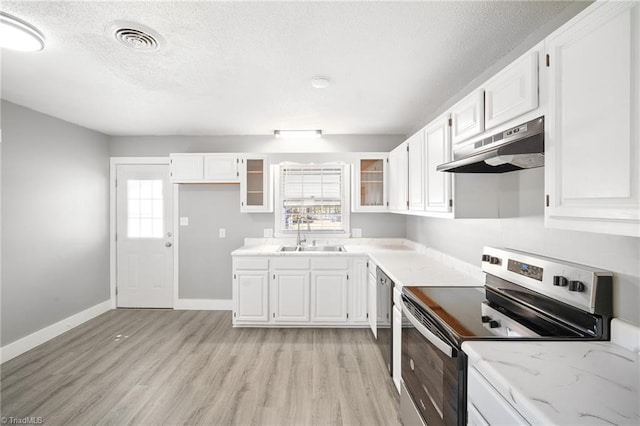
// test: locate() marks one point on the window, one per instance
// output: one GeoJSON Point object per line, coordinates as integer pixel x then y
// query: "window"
{"type": "Point", "coordinates": [312, 197]}
{"type": "Point", "coordinates": [145, 209]}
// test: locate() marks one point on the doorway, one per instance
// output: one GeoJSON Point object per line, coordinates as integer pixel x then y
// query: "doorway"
{"type": "Point", "coordinates": [144, 236]}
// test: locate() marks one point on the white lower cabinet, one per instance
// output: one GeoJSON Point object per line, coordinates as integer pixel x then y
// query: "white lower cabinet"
{"type": "Point", "coordinates": [252, 296]}
{"type": "Point", "coordinates": [250, 290]}
{"type": "Point", "coordinates": [372, 298]}
{"type": "Point", "coordinates": [358, 300]}
{"type": "Point", "coordinates": [300, 291]}
{"type": "Point", "coordinates": [397, 346]}
{"type": "Point", "coordinates": [290, 296]}
{"type": "Point", "coordinates": [329, 296]}
{"type": "Point", "coordinates": [485, 406]}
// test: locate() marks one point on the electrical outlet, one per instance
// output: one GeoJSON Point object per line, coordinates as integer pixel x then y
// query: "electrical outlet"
{"type": "Point", "coordinates": [222, 233]}
{"type": "Point", "coordinates": [184, 221]}
{"type": "Point", "coordinates": [356, 232]}
{"type": "Point", "coordinates": [268, 233]}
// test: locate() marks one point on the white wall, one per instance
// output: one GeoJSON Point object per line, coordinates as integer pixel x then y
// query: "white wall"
{"type": "Point", "coordinates": [55, 206]}
{"type": "Point", "coordinates": [465, 239]}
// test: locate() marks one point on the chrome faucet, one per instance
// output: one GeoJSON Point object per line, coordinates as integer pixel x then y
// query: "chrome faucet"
{"type": "Point", "coordinates": [301, 239]}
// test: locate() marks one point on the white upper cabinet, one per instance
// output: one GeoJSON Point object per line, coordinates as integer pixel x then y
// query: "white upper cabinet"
{"type": "Point", "coordinates": [204, 168]}
{"type": "Point", "coordinates": [592, 149]}
{"type": "Point", "coordinates": [416, 171]}
{"type": "Point", "coordinates": [467, 117]}
{"type": "Point", "coordinates": [370, 183]}
{"type": "Point", "coordinates": [513, 91]}
{"type": "Point", "coordinates": [255, 184]}
{"type": "Point", "coordinates": [221, 168]}
{"type": "Point", "coordinates": [186, 167]}
{"type": "Point", "coordinates": [437, 136]}
{"type": "Point", "coordinates": [398, 178]}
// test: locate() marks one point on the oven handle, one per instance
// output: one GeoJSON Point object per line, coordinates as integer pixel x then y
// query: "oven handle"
{"type": "Point", "coordinates": [435, 340]}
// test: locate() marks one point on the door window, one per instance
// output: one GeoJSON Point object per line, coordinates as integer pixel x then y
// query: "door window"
{"type": "Point", "coordinates": [145, 209]}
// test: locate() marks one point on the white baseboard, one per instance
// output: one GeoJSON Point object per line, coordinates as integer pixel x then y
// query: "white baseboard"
{"type": "Point", "coordinates": [203, 304]}
{"type": "Point", "coordinates": [29, 342]}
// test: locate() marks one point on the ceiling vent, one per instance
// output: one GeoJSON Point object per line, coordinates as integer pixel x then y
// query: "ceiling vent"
{"type": "Point", "coordinates": [135, 36]}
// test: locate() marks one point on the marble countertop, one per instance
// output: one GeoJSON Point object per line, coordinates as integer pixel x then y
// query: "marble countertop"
{"type": "Point", "coordinates": [405, 263]}
{"type": "Point", "coordinates": [562, 383]}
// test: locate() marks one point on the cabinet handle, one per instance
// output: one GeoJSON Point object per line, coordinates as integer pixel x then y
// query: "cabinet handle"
{"type": "Point", "coordinates": [274, 314]}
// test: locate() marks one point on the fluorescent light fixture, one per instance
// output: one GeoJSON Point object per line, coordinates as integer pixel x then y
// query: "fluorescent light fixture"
{"type": "Point", "coordinates": [292, 134]}
{"type": "Point", "coordinates": [17, 34]}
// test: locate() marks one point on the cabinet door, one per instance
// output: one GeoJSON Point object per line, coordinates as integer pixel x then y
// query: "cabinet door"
{"type": "Point", "coordinates": [290, 296]}
{"type": "Point", "coordinates": [251, 297]}
{"type": "Point", "coordinates": [398, 178]}
{"type": "Point", "coordinates": [186, 167]}
{"type": "Point", "coordinates": [512, 92]}
{"type": "Point", "coordinates": [438, 151]}
{"type": "Point", "coordinates": [370, 192]}
{"type": "Point", "coordinates": [592, 150]}
{"type": "Point", "coordinates": [416, 171]}
{"type": "Point", "coordinates": [467, 117]}
{"type": "Point", "coordinates": [397, 346]}
{"type": "Point", "coordinates": [255, 194]}
{"type": "Point", "coordinates": [358, 302]}
{"type": "Point", "coordinates": [329, 296]}
{"type": "Point", "coordinates": [372, 293]}
{"type": "Point", "coordinates": [221, 168]}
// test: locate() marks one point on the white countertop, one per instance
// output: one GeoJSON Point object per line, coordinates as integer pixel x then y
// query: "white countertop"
{"type": "Point", "coordinates": [404, 263]}
{"type": "Point", "coordinates": [562, 383]}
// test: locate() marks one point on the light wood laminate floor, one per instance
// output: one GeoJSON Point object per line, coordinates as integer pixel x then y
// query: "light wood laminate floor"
{"type": "Point", "coordinates": [191, 367]}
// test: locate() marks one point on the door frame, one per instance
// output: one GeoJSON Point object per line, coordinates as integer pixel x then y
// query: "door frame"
{"type": "Point", "coordinates": [113, 164]}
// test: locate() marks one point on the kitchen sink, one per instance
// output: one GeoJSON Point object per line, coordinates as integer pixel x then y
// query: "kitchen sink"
{"type": "Point", "coordinates": [312, 249]}
{"type": "Point", "coordinates": [322, 248]}
{"type": "Point", "coordinates": [288, 248]}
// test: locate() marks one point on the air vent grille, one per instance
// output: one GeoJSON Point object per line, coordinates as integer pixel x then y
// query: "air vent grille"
{"type": "Point", "coordinates": [136, 39]}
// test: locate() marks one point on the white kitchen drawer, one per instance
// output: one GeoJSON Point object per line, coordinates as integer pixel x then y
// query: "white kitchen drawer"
{"type": "Point", "coordinates": [330, 263]}
{"type": "Point", "coordinates": [251, 263]}
{"type": "Point", "coordinates": [292, 262]}
{"type": "Point", "coordinates": [484, 400]}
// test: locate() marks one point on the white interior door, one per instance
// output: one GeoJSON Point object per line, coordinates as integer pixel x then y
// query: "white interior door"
{"type": "Point", "coordinates": [144, 236]}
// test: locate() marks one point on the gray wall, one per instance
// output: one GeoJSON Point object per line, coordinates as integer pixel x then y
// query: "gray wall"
{"type": "Point", "coordinates": [464, 239]}
{"type": "Point", "coordinates": [55, 206]}
{"type": "Point", "coordinates": [205, 260]}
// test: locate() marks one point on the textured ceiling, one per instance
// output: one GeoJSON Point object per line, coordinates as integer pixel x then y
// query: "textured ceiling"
{"type": "Point", "coordinates": [229, 68]}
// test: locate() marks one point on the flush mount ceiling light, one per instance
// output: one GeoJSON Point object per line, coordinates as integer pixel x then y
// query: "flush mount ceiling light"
{"type": "Point", "coordinates": [320, 82]}
{"type": "Point", "coordinates": [17, 34]}
{"type": "Point", "coordinates": [135, 36]}
{"type": "Point", "coordinates": [290, 134]}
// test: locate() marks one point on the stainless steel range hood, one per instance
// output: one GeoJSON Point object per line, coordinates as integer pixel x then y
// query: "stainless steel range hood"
{"type": "Point", "coordinates": [521, 147]}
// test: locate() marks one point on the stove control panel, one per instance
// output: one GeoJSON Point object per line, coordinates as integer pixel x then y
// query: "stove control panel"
{"type": "Point", "coordinates": [525, 269]}
{"type": "Point", "coordinates": [583, 287]}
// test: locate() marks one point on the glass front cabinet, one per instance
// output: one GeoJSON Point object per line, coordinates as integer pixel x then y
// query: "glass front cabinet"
{"type": "Point", "coordinates": [255, 188]}
{"type": "Point", "coordinates": [370, 189]}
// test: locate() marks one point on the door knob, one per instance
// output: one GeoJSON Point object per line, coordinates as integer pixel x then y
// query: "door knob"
{"type": "Point", "coordinates": [168, 244]}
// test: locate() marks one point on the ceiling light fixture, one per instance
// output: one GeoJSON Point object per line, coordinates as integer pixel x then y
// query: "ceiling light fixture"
{"type": "Point", "coordinates": [17, 34]}
{"type": "Point", "coordinates": [320, 82]}
{"type": "Point", "coordinates": [291, 134]}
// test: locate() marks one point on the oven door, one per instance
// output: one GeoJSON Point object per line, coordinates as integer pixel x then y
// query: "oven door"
{"type": "Point", "coordinates": [433, 370]}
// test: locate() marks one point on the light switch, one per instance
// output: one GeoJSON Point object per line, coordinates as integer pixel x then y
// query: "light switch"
{"type": "Point", "coordinates": [184, 221]}
{"type": "Point", "coordinates": [356, 232]}
{"type": "Point", "coordinates": [222, 233]}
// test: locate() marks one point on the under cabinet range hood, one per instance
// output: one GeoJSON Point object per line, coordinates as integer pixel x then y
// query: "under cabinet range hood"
{"type": "Point", "coordinates": [521, 147]}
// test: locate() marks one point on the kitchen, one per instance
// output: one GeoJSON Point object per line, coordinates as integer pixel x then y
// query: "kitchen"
{"type": "Point", "coordinates": [58, 270]}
